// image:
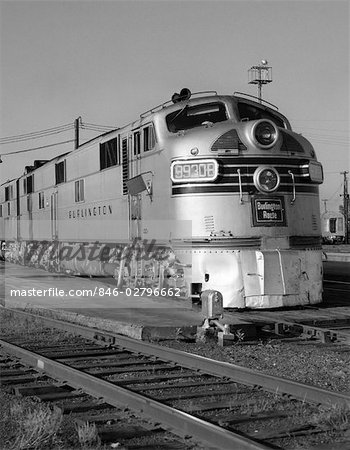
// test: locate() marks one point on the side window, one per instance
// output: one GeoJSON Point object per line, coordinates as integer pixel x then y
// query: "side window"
{"type": "Point", "coordinates": [9, 209]}
{"type": "Point", "coordinates": [149, 139]}
{"type": "Point", "coordinates": [137, 143]}
{"type": "Point", "coordinates": [0, 210]}
{"type": "Point", "coordinates": [60, 172]}
{"type": "Point", "coordinates": [109, 154]}
{"type": "Point", "coordinates": [29, 203]}
{"type": "Point", "coordinates": [333, 225]}
{"type": "Point", "coordinates": [79, 191]}
{"type": "Point", "coordinates": [41, 200]}
{"type": "Point", "coordinates": [8, 193]}
{"type": "Point", "coordinates": [28, 184]}
{"type": "Point", "coordinates": [251, 112]}
{"type": "Point", "coordinates": [340, 224]}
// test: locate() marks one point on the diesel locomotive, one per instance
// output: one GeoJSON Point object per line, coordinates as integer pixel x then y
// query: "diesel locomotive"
{"type": "Point", "coordinates": [205, 191]}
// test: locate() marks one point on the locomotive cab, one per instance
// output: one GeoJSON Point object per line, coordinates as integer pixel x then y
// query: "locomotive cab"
{"type": "Point", "coordinates": [249, 186]}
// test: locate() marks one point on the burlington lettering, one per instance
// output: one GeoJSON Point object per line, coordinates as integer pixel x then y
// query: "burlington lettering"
{"type": "Point", "coordinates": [83, 213]}
{"type": "Point", "coordinates": [269, 205]}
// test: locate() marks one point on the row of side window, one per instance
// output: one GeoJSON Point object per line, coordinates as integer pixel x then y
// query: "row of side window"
{"type": "Point", "coordinates": [28, 188]}
{"type": "Point", "coordinates": [110, 152]}
{"type": "Point", "coordinates": [149, 140]}
{"type": "Point", "coordinates": [109, 156]}
{"type": "Point", "coordinates": [79, 197]}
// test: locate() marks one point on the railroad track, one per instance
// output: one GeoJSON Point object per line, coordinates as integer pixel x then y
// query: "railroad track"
{"type": "Point", "coordinates": [324, 322]}
{"type": "Point", "coordinates": [208, 403]}
{"type": "Point", "coordinates": [326, 329]}
{"type": "Point", "coordinates": [114, 423]}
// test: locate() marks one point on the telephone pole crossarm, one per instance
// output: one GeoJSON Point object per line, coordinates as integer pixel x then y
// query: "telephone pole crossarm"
{"type": "Point", "coordinates": [260, 75]}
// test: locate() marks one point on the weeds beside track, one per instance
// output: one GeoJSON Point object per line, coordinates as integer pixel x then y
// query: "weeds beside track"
{"type": "Point", "coordinates": [163, 378]}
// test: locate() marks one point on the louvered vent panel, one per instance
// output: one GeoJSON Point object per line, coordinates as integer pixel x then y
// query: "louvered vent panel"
{"type": "Point", "coordinates": [125, 165]}
{"type": "Point", "coordinates": [305, 241]}
{"type": "Point", "coordinates": [290, 144]}
{"type": "Point", "coordinates": [209, 223]}
{"type": "Point", "coordinates": [228, 141]}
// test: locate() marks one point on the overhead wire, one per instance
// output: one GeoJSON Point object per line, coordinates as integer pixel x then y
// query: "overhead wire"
{"type": "Point", "coordinates": [337, 190]}
{"type": "Point", "coordinates": [35, 134]}
{"type": "Point", "coordinates": [98, 126]}
{"type": "Point", "coordinates": [40, 131]}
{"type": "Point", "coordinates": [329, 135]}
{"type": "Point", "coordinates": [49, 132]}
{"type": "Point", "coordinates": [37, 148]}
{"type": "Point", "coordinates": [103, 130]}
{"type": "Point", "coordinates": [326, 129]}
{"type": "Point", "coordinates": [329, 141]}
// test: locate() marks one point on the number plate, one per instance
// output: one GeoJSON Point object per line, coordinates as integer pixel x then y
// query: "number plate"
{"type": "Point", "coordinates": [194, 170]}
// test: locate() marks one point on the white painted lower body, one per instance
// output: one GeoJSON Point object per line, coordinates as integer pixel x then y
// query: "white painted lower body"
{"type": "Point", "coordinates": [260, 278]}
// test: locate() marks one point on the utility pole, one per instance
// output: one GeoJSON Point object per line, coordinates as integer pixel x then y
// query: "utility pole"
{"type": "Point", "coordinates": [76, 128]}
{"type": "Point", "coordinates": [346, 205]}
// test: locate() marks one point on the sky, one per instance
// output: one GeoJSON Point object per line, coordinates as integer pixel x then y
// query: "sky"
{"type": "Point", "coordinates": [109, 61]}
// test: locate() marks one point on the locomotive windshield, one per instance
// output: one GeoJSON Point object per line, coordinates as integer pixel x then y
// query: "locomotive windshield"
{"type": "Point", "coordinates": [194, 116]}
{"type": "Point", "coordinates": [251, 112]}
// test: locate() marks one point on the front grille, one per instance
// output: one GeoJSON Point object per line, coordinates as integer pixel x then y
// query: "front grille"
{"type": "Point", "coordinates": [305, 242]}
{"type": "Point", "coordinates": [228, 141]}
{"type": "Point", "coordinates": [236, 170]}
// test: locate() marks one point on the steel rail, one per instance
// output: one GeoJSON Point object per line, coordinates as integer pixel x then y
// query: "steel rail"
{"type": "Point", "coordinates": [239, 374]}
{"type": "Point", "coordinates": [178, 422]}
{"type": "Point", "coordinates": [325, 334]}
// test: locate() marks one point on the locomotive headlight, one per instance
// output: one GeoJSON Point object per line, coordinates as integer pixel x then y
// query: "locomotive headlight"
{"type": "Point", "coordinates": [266, 179]}
{"type": "Point", "coordinates": [194, 170]}
{"type": "Point", "coordinates": [264, 133]}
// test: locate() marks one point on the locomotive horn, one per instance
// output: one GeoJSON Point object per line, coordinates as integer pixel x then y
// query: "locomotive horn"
{"type": "Point", "coordinates": [185, 94]}
{"type": "Point", "coordinates": [176, 98]}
